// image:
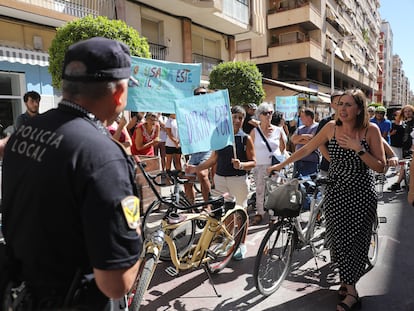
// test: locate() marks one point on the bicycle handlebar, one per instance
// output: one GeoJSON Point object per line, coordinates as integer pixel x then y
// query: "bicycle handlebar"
{"type": "Point", "coordinates": [174, 175]}
{"type": "Point", "coordinates": [216, 202]}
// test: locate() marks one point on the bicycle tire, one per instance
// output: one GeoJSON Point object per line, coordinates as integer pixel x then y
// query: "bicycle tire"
{"type": "Point", "coordinates": [236, 224]}
{"type": "Point", "coordinates": [407, 177]}
{"type": "Point", "coordinates": [274, 257]}
{"type": "Point", "coordinates": [183, 236]}
{"type": "Point", "coordinates": [373, 247]}
{"type": "Point", "coordinates": [142, 282]}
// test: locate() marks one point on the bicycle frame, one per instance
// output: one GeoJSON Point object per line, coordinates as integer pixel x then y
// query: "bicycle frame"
{"type": "Point", "coordinates": [304, 235]}
{"type": "Point", "coordinates": [199, 253]}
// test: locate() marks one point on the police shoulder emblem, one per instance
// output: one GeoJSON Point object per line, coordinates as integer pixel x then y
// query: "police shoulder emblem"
{"type": "Point", "coordinates": [130, 208]}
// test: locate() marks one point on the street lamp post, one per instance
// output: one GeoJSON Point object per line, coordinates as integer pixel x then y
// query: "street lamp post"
{"type": "Point", "coordinates": [333, 48]}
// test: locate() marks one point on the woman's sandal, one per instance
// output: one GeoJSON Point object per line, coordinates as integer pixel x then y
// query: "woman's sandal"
{"type": "Point", "coordinates": [257, 219]}
{"type": "Point", "coordinates": [356, 305]}
{"type": "Point", "coordinates": [342, 292]}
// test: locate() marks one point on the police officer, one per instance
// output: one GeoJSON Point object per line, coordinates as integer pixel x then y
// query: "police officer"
{"type": "Point", "coordinates": [70, 211]}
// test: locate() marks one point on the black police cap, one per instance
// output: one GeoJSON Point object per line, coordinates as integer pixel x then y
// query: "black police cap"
{"type": "Point", "coordinates": [104, 59]}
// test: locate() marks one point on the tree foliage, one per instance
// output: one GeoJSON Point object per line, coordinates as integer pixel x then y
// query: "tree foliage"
{"type": "Point", "coordinates": [88, 27]}
{"type": "Point", "coordinates": [242, 79]}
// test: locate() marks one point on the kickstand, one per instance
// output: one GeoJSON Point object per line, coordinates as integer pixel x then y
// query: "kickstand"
{"type": "Point", "coordinates": [211, 280]}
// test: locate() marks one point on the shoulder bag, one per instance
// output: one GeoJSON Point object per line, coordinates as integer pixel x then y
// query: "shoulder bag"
{"type": "Point", "coordinates": [274, 159]}
{"type": "Point", "coordinates": [284, 199]}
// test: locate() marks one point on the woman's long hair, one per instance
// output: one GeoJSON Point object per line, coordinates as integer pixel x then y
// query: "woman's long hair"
{"type": "Point", "coordinates": [358, 95]}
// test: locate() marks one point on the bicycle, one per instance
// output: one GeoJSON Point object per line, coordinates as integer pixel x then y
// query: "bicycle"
{"type": "Point", "coordinates": [225, 226]}
{"type": "Point", "coordinates": [274, 257]}
{"type": "Point", "coordinates": [184, 236]}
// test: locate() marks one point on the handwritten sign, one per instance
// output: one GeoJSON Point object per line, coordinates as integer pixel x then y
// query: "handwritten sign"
{"type": "Point", "coordinates": [155, 84]}
{"type": "Point", "coordinates": [204, 122]}
{"type": "Point", "coordinates": [288, 105]}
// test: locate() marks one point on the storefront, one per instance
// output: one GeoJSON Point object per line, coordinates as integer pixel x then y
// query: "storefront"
{"type": "Point", "coordinates": [22, 71]}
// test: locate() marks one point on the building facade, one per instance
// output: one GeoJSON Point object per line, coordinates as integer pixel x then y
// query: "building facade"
{"type": "Point", "coordinates": [386, 63]}
{"type": "Point", "coordinates": [321, 44]}
{"type": "Point", "coordinates": [185, 31]}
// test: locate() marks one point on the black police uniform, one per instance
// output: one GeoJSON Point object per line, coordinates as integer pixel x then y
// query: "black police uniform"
{"type": "Point", "coordinates": [63, 181]}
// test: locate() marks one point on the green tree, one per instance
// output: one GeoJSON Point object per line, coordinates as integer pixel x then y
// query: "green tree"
{"type": "Point", "coordinates": [242, 79]}
{"type": "Point", "coordinates": [88, 27]}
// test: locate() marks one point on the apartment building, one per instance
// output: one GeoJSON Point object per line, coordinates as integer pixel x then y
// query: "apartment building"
{"type": "Point", "coordinates": [385, 64]}
{"type": "Point", "coordinates": [401, 94]}
{"type": "Point", "coordinates": [201, 31]}
{"type": "Point", "coordinates": [27, 30]}
{"type": "Point", "coordinates": [321, 44]}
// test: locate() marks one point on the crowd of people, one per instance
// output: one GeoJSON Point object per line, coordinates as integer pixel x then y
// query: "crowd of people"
{"type": "Point", "coordinates": [93, 184]}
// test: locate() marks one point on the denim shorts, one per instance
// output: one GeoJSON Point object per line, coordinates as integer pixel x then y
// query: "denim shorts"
{"type": "Point", "coordinates": [199, 157]}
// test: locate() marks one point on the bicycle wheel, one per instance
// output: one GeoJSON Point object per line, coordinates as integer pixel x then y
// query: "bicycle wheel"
{"type": "Point", "coordinates": [274, 257]}
{"type": "Point", "coordinates": [223, 247]}
{"type": "Point", "coordinates": [373, 247]}
{"type": "Point", "coordinates": [407, 176]}
{"type": "Point", "coordinates": [183, 236]}
{"type": "Point", "coordinates": [142, 281]}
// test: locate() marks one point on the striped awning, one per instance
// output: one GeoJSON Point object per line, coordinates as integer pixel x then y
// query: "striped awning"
{"type": "Point", "coordinates": [21, 56]}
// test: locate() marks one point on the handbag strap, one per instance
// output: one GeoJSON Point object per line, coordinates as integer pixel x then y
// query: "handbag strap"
{"type": "Point", "coordinates": [264, 138]}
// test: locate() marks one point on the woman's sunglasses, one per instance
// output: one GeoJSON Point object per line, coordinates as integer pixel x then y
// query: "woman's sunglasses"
{"type": "Point", "coordinates": [267, 113]}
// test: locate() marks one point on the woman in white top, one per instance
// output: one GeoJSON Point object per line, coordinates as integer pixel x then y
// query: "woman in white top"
{"type": "Point", "coordinates": [274, 136]}
{"type": "Point", "coordinates": [172, 144]}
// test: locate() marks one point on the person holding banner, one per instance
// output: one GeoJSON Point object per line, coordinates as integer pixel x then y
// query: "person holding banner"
{"type": "Point", "coordinates": [233, 163]}
{"type": "Point", "coordinates": [196, 159]}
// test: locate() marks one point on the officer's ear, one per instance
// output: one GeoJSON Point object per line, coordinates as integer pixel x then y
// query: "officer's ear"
{"type": "Point", "coordinates": [120, 93]}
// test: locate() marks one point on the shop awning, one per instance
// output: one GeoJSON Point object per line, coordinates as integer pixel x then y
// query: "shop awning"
{"type": "Point", "coordinates": [314, 95]}
{"type": "Point", "coordinates": [21, 56]}
{"type": "Point", "coordinates": [293, 87]}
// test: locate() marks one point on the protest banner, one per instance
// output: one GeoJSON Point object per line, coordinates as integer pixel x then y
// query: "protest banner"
{"type": "Point", "coordinates": [204, 122]}
{"type": "Point", "coordinates": [288, 105]}
{"type": "Point", "coordinates": [155, 84]}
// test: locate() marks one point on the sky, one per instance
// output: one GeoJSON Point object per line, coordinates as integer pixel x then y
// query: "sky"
{"type": "Point", "coordinates": [399, 13]}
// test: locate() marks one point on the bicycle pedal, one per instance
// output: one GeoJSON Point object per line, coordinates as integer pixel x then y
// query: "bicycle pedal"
{"type": "Point", "coordinates": [171, 271]}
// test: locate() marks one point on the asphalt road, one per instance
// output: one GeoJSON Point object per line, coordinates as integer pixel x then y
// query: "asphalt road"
{"type": "Point", "coordinates": [388, 286]}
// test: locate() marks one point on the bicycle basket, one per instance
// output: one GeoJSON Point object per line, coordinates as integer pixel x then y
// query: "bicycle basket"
{"type": "Point", "coordinates": [285, 199]}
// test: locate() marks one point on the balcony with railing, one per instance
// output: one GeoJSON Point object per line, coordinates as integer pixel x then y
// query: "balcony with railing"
{"type": "Point", "coordinates": [294, 46]}
{"type": "Point", "coordinates": [306, 14]}
{"type": "Point", "coordinates": [76, 8]}
{"type": "Point", "coordinates": [285, 5]}
{"type": "Point", "coordinates": [207, 63]}
{"type": "Point", "coordinates": [158, 51]}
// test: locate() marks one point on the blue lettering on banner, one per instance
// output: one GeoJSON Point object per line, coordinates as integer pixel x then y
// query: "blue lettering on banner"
{"type": "Point", "coordinates": [155, 85]}
{"type": "Point", "coordinates": [288, 105]}
{"type": "Point", "coordinates": [204, 122]}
